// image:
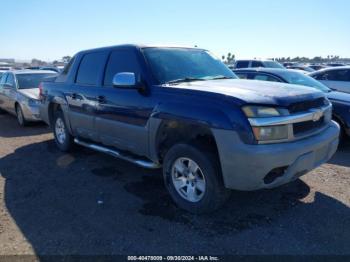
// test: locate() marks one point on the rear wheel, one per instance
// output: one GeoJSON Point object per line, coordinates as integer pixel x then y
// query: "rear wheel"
{"type": "Point", "coordinates": [193, 179]}
{"type": "Point", "coordinates": [20, 117]}
{"type": "Point", "coordinates": [63, 139]}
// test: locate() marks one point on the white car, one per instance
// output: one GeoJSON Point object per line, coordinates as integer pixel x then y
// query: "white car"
{"type": "Point", "coordinates": [19, 93]}
{"type": "Point", "coordinates": [336, 78]}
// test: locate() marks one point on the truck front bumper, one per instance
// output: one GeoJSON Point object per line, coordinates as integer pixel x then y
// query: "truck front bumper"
{"type": "Point", "coordinates": [252, 167]}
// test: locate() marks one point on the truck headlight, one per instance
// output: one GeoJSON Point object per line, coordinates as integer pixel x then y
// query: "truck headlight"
{"type": "Point", "coordinates": [266, 133]}
{"type": "Point", "coordinates": [263, 111]}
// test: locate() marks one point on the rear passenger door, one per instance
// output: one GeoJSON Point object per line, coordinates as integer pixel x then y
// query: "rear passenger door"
{"type": "Point", "coordinates": [122, 114]}
{"type": "Point", "coordinates": [83, 96]}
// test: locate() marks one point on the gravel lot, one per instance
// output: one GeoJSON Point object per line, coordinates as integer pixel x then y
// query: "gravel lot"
{"type": "Point", "coordinates": [89, 203]}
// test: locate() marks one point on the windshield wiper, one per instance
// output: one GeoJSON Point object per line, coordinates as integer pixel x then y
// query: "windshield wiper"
{"type": "Point", "coordinates": [186, 79]}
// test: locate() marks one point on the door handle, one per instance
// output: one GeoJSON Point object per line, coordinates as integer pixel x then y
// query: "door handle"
{"type": "Point", "coordinates": [101, 99]}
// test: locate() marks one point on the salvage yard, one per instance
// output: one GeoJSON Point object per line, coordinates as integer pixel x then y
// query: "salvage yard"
{"type": "Point", "coordinates": [90, 203]}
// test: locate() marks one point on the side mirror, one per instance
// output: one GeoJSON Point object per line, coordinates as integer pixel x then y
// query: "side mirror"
{"type": "Point", "coordinates": [125, 80]}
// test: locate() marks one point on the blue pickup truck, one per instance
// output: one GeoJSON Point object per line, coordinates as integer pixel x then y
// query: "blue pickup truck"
{"type": "Point", "coordinates": [184, 110]}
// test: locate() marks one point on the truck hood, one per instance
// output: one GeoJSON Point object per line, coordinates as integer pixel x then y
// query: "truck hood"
{"type": "Point", "coordinates": [32, 93]}
{"type": "Point", "coordinates": [255, 92]}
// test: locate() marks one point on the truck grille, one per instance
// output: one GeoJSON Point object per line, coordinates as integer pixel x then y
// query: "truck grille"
{"type": "Point", "coordinates": [307, 105]}
{"type": "Point", "coordinates": [308, 126]}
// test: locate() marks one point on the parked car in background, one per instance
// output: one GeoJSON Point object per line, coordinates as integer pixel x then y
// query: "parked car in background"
{"type": "Point", "coordinates": [340, 101]}
{"type": "Point", "coordinates": [45, 68]}
{"type": "Point", "coordinates": [183, 109]}
{"type": "Point", "coordinates": [304, 68]}
{"type": "Point", "coordinates": [286, 64]}
{"type": "Point", "coordinates": [50, 68]}
{"type": "Point", "coordinates": [335, 64]}
{"type": "Point", "coordinates": [33, 68]}
{"type": "Point", "coordinates": [337, 78]}
{"type": "Point", "coordinates": [317, 67]}
{"type": "Point", "coordinates": [257, 63]}
{"type": "Point", "coordinates": [19, 93]}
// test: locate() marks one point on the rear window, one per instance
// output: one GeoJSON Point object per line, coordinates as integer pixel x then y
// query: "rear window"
{"type": "Point", "coordinates": [91, 68]}
{"type": "Point", "coordinates": [242, 64]}
{"type": "Point", "coordinates": [273, 64]}
{"type": "Point", "coordinates": [27, 81]}
{"type": "Point", "coordinates": [257, 64]}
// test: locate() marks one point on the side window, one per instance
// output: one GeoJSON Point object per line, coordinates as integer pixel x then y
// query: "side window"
{"type": "Point", "coordinates": [263, 77]}
{"type": "Point", "coordinates": [3, 80]}
{"type": "Point", "coordinates": [121, 61]}
{"type": "Point", "coordinates": [337, 75]}
{"type": "Point", "coordinates": [321, 76]}
{"type": "Point", "coordinates": [257, 64]}
{"type": "Point", "coordinates": [90, 68]}
{"type": "Point", "coordinates": [242, 75]}
{"type": "Point", "coordinates": [10, 80]}
{"type": "Point", "coordinates": [242, 64]}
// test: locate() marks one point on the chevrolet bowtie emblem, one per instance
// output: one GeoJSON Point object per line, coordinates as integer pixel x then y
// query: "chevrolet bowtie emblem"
{"type": "Point", "coordinates": [316, 115]}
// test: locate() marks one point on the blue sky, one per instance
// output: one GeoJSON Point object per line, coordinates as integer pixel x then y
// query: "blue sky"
{"type": "Point", "coordinates": [256, 28]}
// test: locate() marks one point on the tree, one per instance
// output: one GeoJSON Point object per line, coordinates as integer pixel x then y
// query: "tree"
{"type": "Point", "coordinates": [37, 62]}
{"type": "Point", "coordinates": [66, 59]}
{"type": "Point", "coordinates": [230, 58]}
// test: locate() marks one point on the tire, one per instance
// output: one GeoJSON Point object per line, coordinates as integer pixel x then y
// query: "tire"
{"type": "Point", "coordinates": [342, 134]}
{"type": "Point", "coordinates": [204, 190]}
{"type": "Point", "coordinates": [20, 117]}
{"type": "Point", "coordinates": [63, 139]}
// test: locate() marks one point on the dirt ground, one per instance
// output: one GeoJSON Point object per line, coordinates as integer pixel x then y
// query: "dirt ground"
{"type": "Point", "coordinates": [89, 203]}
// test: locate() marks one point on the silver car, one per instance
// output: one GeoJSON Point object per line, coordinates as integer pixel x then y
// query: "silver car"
{"type": "Point", "coordinates": [19, 93]}
{"type": "Point", "coordinates": [336, 78]}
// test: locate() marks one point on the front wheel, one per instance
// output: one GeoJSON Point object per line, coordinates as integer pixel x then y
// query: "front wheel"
{"type": "Point", "coordinates": [20, 117]}
{"type": "Point", "coordinates": [63, 138]}
{"type": "Point", "coordinates": [193, 179]}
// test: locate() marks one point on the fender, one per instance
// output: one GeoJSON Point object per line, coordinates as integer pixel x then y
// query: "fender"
{"type": "Point", "coordinates": [211, 117]}
{"type": "Point", "coordinates": [55, 97]}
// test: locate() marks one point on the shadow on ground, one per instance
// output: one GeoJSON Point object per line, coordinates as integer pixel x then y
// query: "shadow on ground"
{"type": "Point", "coordinates": [13, 129]}
{"type": "Point", "coordinates": [89, 203]}
{"type": "Point", "coordinates": [342, 157]}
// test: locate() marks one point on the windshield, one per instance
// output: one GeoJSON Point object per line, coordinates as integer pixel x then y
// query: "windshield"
{"type": "Point", "coordinates": [173, 64]}
{"type": "Point", "coordinates": [26, 81]}
{"type": "Point", "coordinates": [301, 79]}
{"type": "Point", "coordinates": [273, 64]}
